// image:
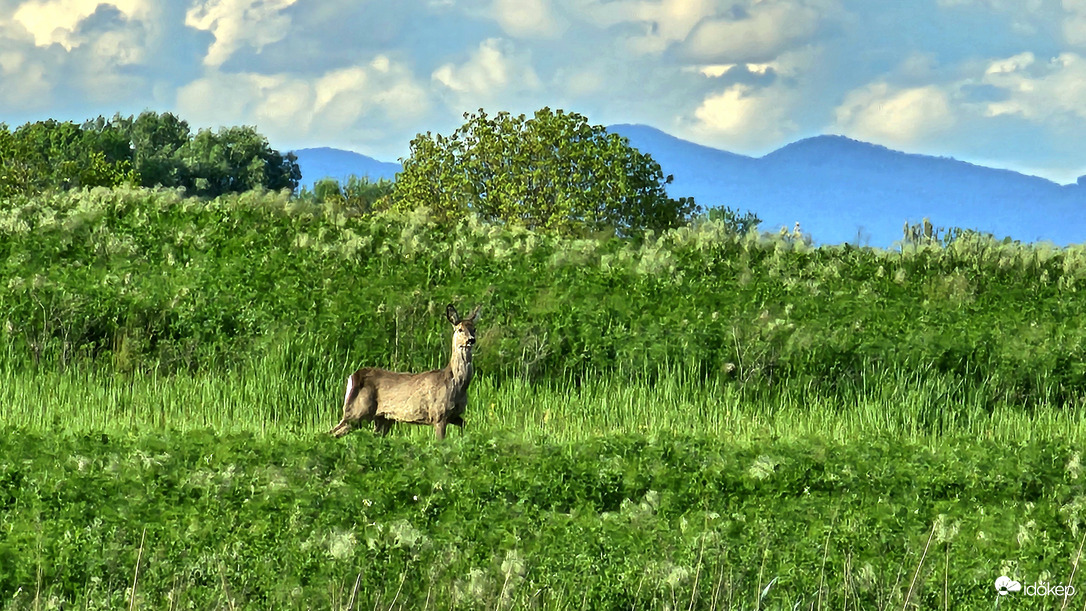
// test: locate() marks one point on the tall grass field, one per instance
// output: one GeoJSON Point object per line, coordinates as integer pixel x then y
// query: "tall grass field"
{"type": "Point", "coordinates": [692, 420]}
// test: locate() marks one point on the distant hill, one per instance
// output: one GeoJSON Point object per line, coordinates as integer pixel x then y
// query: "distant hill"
{"type": "Point", "coordinates": [318, 163]}
{"type": "Point", "coordinates": [844, 190]}
{"type": "Point", "coordinates": [838, 189]}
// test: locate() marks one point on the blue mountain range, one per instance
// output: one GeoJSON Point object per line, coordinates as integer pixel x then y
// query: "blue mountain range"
{"type": "Point", "coordinates": [324, 162]}
{"type": "Point", "coordinates": [837, 189]}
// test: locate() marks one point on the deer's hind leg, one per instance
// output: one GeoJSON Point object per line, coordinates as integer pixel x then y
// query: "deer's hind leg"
{"type": "Point", "coordinates": [359, 403]}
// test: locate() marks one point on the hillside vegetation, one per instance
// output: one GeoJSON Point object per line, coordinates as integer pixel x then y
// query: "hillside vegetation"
{"type": "Point", "coordinates": [141, 280]}
{"type": "Point", "coordinates": [687, 419]}
{"type": "Point", "coordinates": [197, 521]}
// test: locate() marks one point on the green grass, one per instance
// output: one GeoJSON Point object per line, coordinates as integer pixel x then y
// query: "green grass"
{"type": "Point", "coordinates": [150, 279]}
{"type": "Point", "coordinates": [915, 407]}
{"type": "Point", "coordinates": [211, 521]}
{"type": "Point", "coordinates": [737, 422]}
{"type": "Point", "coordinates": [683, 490]}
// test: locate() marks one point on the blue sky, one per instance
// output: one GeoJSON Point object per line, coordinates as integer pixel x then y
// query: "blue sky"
{"type": "Point", "coordinates": [995, 82]}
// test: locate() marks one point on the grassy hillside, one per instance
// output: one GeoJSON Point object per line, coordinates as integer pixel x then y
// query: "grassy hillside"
{"type": "Point", "coordinates": [148, 280]}
{"type": "Point", "coordinates": [695, 420]}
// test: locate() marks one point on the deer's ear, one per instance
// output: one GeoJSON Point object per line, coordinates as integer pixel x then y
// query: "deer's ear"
{"type": "Point", "coordinates": [475, 314]}
{"type": "Point", "coordinates": [450, 313]}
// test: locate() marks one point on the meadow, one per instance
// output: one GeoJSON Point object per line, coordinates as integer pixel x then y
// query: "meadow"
{"type": "Point", "coordinates": [695, 419]}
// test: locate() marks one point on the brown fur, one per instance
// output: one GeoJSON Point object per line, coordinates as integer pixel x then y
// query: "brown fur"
{"type": "Point", "coordinates": [434, 398]}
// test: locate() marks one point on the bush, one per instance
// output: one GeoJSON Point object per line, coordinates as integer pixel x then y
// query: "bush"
{"type": "Point", "coordinates": [553, 172]}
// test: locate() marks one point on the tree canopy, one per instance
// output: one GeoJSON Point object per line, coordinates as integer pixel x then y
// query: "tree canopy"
{"type": "Point", "coordinates": [553, 171]}
{"type": "Point", "coordinates": [357, 196]}
{"type": "Point", "coordinates": [151, 149]}
{"type": "Point", "coordinates": [55, 155]}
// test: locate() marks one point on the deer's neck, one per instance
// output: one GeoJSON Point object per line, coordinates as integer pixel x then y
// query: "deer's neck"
{"type": "Point", "coordinates": [460, 367]}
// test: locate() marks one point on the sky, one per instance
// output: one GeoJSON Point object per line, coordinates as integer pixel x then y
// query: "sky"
{"type": "Point", "coordinates": [993, 82]}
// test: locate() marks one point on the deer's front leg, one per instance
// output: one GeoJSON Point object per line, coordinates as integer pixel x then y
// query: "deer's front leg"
{"type": "Point", "coordinates": [439, 429]}
{"type": "Point", "coordinates": [381, 426]}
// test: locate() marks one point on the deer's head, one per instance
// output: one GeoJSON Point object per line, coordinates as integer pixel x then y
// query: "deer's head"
{"type": "Point", "coordinates": [463, 329]}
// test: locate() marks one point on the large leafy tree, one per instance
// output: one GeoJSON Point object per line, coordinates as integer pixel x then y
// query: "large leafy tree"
{"type": "Point", "coordinates": [553, 171]}
{"type": "Point", "coordinates": [153, 141]}
{"type": "Point", "coordinates": [235, 159]}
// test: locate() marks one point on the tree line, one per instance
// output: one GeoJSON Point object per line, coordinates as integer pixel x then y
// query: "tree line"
{"type": "Point", "coordinates": [152, 149]}
{"type": "Point", "coordinates": [552, 172]}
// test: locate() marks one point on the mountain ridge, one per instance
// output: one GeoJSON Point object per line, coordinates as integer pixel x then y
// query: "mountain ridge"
{"type": "Point", "coordinates": [845, 190]}
{"type": "Point", "coordinates": [327, 162]}
{"type": "Point", "coordinates": [838, 189]}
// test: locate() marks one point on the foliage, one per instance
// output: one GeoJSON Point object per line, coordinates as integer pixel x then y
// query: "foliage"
{"type": "Point", "coordinates": [61, 155]}
{"type": "Point", "coordinates": [926, 233]}
{"type": "Point", "coordinates": [234, 160]}
{"type": "Point", "coordinates": [698, 418]}
{"type": "Point", "coordinates": [151, 149]}
{"type": "Point", "coordinates": [194, 521]}
{"type": "Point", "coordinates": [154, 141]}
{"type": "Point", "coordinates": [553, 172]}
{"type": "Point", "coordinates": [736, 222]}
{"type": "Point", "coordinates": [358, 197]}
{"type": "Point", "coordinates": [289, 391]}
{"type": "Point", "coordinates": [154, 280]}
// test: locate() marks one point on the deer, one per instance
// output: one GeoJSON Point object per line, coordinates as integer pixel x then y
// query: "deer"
{"type": "Point", "coordinates": [433, 398]}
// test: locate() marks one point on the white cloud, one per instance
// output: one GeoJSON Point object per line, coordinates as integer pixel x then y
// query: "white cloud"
{"type": "Point", "coordinates": [492, 69]}
{"type": "Point", "coordinates": [381, 63]}
{"type": "Point", "coordinates": [749, 117]}
{"type": "Point", "coordinates": [581, 82]}
{"type": "Point", "coordinates": [719, 70]}
{"type": "Point", "coordinates": [527, 18]}
{"type": "Point", "coordinates": [888, 115]}
{"type": "Point", "coordinates": [118, 47]}
{"type": "Point", "coordinates": [55, 21]}
{"type": "Point", "coordinates": [713, 70]}
{"type": "Point", "coordinates": [995, 5]}
{"type": "Point", "coordinates": [1074, 23]}
{"type": "Point", "coordinates": [765, 30]}
{"type": "Point", "coordinates": [31, 88]}
{"type": "Point", "coordinates": [742, 31]}
{"type": "Point", "coordinates": [337, 88]}
{"type": "Point", "coordinates": [335, 107]}
{"type": "Point", "coordinates": [1039, 92]}
{"type": "Point", "coordinates": [745, 116]}
{"type": "Point", "coordinates": [239, 23]}
{"type": "Point", "coordinates": [1074, 29]}
{"type": "Point", "coordinates": [74, 52]}
{"type": "Point", "coordinates": [343, 97]}
{"type": "Point", "coordinates": [1010, 65]}
{"type": "Point", "coordinates": [664, 22]}
{"type": "Point", "coordinates": [224, 99]}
